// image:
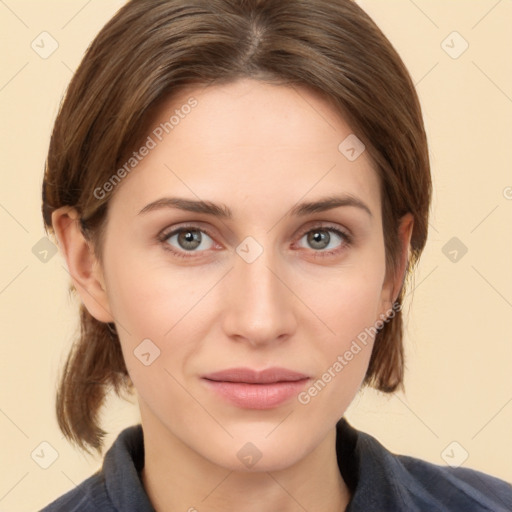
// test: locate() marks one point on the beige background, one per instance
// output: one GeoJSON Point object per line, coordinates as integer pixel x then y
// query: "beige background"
{"type": "Point", "coordinates": [458, 337]}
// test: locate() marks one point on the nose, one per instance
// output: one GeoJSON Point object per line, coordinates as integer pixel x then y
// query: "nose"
{"type": "Point", "coordinates": [260, 307]}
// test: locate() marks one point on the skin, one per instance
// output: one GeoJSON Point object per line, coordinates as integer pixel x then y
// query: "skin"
{"type": "Point", "coordinates": [259, 149]}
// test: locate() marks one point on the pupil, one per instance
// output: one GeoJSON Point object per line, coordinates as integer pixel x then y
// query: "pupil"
{"type": "Point", "coordinates": [320, 239]}
{"type": "Point", "coordinates": [190, 239]}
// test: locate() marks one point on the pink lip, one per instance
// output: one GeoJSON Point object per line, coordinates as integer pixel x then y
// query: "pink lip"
{"type": "Point", "coordinates": [251, 389]}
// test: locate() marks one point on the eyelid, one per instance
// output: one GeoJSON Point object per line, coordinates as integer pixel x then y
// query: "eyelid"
{"type": "Point", "coordinates": [327, 225]}
{"type": "Point", "coordinates": [166, 233]}
{"type": "Point", "coordinates": [198, 225]}
{"type": "Point", "coordinates": [345, 235]}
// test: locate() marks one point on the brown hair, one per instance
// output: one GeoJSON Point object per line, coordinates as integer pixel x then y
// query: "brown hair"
{"type": "Point", "coordinates": [153, 48]}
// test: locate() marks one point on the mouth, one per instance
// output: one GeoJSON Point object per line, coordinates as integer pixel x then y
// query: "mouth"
{"type": "Point", "coordinates": [252, 389]}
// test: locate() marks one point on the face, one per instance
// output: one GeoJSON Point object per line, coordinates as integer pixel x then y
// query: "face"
{"type": "Point", "coordinates": [246, 327]}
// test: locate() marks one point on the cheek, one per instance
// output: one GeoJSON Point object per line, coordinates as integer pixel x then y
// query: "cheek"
{"type": "Point", "coordinates": [147, 294]}
{"type": "Point", "coordinates": [349, 300]}
{"type": "Point", "coordinates": [137, 299]}
{"type": "Point", "coordinates": [348, 304]}
{"type": "Point", "coordinates": [166, 305]}
{"type": "Point", "coordinates": [151, 304]}
{"type": "Point", "coordinates": [342, 358]}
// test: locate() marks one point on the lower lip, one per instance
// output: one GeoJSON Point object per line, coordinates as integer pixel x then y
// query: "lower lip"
{"type": "Point", "coordinates": [257, 396]}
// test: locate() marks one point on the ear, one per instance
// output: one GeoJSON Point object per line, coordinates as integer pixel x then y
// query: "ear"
{"type": "Point", "coordinates": [395, 276]}
{"type": "Point", "coordinates": [83, 266]}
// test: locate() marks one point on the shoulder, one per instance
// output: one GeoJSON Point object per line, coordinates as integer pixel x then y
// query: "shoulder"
{"type": "Point", "coordinates": [117, 487]}
{"type": "Point", "coordinates": [454, 488]}
{"type": "Point", "coordinates": [89, 496]}
{"type": "Point", "coordinates": [382, 480]}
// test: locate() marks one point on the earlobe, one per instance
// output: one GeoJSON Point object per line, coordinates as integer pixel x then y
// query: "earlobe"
{"type": "Point", "coordinates": [404, 233]}
{"type": "Point", "coordinates": [82, 263]}
{"type": "Point", "coordinates": [396, 277]}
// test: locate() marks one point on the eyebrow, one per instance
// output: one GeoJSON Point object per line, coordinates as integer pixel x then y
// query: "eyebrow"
{"type": "Point", "coordinates": [223, 212]}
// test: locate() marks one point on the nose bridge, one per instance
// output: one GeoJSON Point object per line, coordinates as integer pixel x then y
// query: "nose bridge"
{"type": "Point", "coordinates": [260, 306]}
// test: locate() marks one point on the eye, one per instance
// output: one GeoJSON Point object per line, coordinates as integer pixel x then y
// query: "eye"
{"type": "Point", "coordinates": [191, 241]}
{"type": "Point", "coordinates": [326, 240]}
{"type": "Point", "coordinates": [187, 240]}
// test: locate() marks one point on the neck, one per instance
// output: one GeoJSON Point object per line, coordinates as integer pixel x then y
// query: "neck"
{"type": "Point", "coordinates": [177, 478]}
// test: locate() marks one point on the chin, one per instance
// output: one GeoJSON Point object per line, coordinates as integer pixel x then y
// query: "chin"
{"type": "Point", "coordinates": [253, 450]}
{"type": "Point", "coordinates": [269, 459]}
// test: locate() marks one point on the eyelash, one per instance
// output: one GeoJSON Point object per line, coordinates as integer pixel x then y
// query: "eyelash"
{"type": "Point", "coordinates": [165, 235]}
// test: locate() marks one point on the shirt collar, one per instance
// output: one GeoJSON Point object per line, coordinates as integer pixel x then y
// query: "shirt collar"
{"type": "Point", "coordinates": [367, 468]}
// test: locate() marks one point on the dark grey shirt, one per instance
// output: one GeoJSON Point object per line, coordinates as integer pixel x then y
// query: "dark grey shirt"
{"type": "Point", "coordinates": [380, 481]}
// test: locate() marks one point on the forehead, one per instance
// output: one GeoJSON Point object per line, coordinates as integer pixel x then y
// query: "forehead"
{"type": "Point", "coordinates": [249, 142]}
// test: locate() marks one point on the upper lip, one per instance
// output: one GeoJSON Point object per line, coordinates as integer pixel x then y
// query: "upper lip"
{"type": "Point", "coordinates": [250, 376]}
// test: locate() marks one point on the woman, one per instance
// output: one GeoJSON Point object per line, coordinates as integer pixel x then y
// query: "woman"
{"type": "Point", "coordinates": [240, 190]}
